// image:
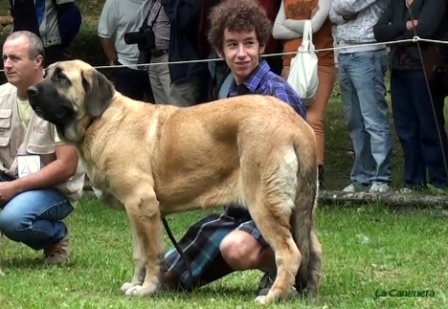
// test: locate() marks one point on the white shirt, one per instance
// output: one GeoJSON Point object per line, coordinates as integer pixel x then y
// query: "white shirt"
{"type": "Point", "coordinates": [117, 18]}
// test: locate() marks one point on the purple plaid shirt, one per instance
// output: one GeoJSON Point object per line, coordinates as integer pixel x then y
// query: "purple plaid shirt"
{"type": "Point", "coordinates": [264, 81]}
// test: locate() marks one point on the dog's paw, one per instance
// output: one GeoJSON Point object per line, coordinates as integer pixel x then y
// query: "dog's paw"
{"type": "Point", "coordinates": [126, 286]}
{"type": "Point", "coordinates": [141, 290]}
{"type": "Point", "coordinates": [261, 300]}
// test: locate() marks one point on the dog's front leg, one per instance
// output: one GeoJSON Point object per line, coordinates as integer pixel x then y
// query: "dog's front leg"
{"type": "Point", "coordinates": [144, 214]}
{"type": "Point", "coordinates": [139, 264]}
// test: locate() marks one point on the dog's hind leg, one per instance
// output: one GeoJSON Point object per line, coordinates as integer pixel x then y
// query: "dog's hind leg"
{"type": "Point", "coordinates": [302, 221]}
{"type": "Point", "coordinates": [143, 211]}
{"type": "Point", "coordinates": [314, 265]}
{"type": "Point", "coordinates": [274, 227]}
{"type": "Point", "coordinates": [309, 275]}
{"type": "Point", "coordinates": [269, 193]}
{"type": "Point", "coordinates": [139, 264]}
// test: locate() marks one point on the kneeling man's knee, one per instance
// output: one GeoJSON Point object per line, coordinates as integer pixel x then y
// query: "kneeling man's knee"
{"type": "Point", "coordinates": [240, 250]}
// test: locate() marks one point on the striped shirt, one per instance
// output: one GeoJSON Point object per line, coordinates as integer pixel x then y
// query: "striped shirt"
{"type": "Point", "coordinates": [264, 81]}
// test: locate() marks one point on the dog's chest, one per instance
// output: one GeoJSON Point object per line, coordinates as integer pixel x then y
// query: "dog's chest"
{"type": "Point", "coordinates": [97, 179]}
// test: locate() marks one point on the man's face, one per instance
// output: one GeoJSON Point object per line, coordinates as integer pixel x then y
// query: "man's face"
{"type": "Point", "coordinates": [20, 70]}
{"type": "Point", "coordinates": [242, 52]}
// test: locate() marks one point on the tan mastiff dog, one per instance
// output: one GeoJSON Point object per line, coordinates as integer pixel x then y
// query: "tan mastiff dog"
{"type": "Point", "coordinates": [160, 159]}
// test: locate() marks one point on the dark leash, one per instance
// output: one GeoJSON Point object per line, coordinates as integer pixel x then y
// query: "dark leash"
{"type": "Point", "coordinates": [178, 248]}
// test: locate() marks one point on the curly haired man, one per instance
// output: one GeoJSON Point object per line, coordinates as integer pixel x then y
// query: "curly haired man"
{"type": "Point", "coordinates": [220, 244]}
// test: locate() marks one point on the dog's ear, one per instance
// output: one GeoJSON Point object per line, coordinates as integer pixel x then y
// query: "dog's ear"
{"type": "Point", "coordinates": [99, 92]}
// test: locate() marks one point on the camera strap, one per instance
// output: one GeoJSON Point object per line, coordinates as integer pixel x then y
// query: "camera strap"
{"type": "Point", "coordinates": [145, 22]}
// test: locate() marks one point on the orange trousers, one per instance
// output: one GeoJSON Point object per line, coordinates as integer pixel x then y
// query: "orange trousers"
{"type": "Point", "coordinates": [315, 112]}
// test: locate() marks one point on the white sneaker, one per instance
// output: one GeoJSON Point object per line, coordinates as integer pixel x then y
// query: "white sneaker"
{"type": "Point", "coordinates": [349, 189]}
{"type": "Point", "coordinates": [352, 188]}
{"type": "Point", "coordinates": [379, 187]}
{"type": "Point", "coordinates": [406, 191]}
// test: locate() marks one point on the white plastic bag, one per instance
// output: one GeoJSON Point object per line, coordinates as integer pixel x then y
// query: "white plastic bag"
{"type": "Point", "coordinates": [303, 70]}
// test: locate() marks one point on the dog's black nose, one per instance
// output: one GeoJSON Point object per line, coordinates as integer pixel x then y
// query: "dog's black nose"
{"type": "Point", "coordinates": [32, 91]}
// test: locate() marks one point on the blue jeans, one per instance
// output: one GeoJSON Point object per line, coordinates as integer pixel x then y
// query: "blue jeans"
{"type": "Point", "coordinates": [361, 78]}
{"type": "Point", "coordinates": [416, 126]}
{"type": "Point", "coordinates": [34, 217]}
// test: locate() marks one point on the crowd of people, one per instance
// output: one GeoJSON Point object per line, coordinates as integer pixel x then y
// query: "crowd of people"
{"type": "Point", "coordinates": [159, 32]}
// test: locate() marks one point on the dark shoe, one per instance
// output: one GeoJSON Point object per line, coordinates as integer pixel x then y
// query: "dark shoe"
{"type": "Point", "coordinates": [57, 253]}
{"type": "Point", "coordinates": [266, 283]}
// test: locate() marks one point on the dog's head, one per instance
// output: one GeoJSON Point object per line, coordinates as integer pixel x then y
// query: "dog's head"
{"type": "Point", "coordinates": [71, 96]}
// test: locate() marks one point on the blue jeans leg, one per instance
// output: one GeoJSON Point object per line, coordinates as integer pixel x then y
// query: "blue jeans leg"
{"type": "Point", "coordinates": [34, 218]}
{"type": "Point", "coordinates": [363, 95]}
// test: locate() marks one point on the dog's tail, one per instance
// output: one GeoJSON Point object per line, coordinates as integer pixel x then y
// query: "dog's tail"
{"type": "Point", "coordinates": [302, 223]}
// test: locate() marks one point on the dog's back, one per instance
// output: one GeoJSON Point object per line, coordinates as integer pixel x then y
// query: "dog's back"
{"type": "Point", "coordinates": [216, 138]}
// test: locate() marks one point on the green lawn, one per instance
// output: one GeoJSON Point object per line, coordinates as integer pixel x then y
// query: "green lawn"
{"type": "Point", "coordinates": [365, 250]}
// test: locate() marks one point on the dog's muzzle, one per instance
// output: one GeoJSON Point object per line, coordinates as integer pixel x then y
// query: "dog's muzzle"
{"type": "Point", "coordinates": [33, 93]}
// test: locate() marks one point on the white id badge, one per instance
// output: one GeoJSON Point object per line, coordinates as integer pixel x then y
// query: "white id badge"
{"type": "Point", "coordinates": [28, 164]}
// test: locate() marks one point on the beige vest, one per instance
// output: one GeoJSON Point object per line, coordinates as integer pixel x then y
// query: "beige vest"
{"type": "Point", "coordinates": [38, 139]}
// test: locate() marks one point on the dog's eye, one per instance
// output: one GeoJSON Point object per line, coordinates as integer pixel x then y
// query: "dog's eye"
{"type": "Point", "coordinates": [60, 78]}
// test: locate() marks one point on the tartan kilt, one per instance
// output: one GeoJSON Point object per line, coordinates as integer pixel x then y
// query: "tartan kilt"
{"type": "Point", "coordinates": [200, 245]}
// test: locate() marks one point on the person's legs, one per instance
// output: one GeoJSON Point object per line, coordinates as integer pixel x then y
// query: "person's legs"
{"type": "Point", "coordinates": [315, 113]}
{"type": "Point", "coordinates": [131, 83]}
{"type": "Point", "coordinates": [145, 86]}
{"type": "Point", "coordinates": [216, 246]}
{"type": "Point", "coordinates": [186, 92]}
{"type": "Point", "coordinates": [200, 246]}
{"type": "Point", "coordinates": [160, 80]}
{"type": "Point", "coordinates": [363, 166]}
{"type": "Point", "coordinates": [34, 218]}
{"type": "Point", "coordinates": [432, 136]}
{"type": "Point", "coordinates": [368, 79]}
{"type": "Point", "coordinates": [285, 72]}
{"type": "Point", "coordinates": [245, 249]}
{"type": "Point", "coordinates": [406, 123]}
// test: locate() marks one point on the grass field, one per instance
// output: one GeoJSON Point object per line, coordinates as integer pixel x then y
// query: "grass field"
{"type": "Point", "coordinates": [367, 250]}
